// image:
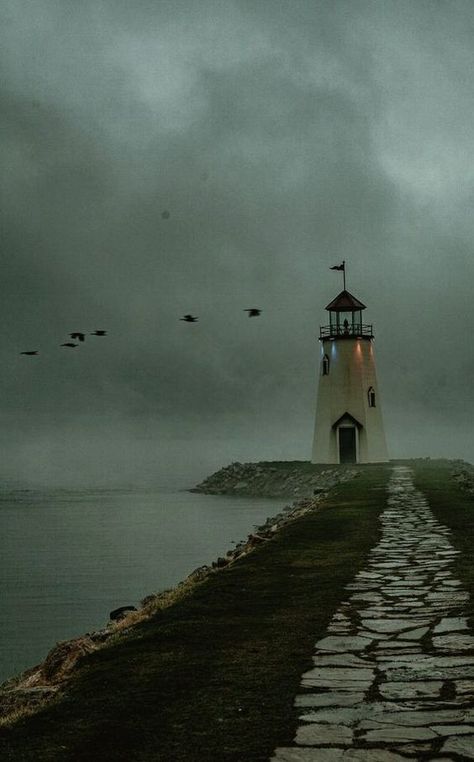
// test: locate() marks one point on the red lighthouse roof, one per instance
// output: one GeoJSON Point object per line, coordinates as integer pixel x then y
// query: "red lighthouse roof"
{"type": "Point", "coordinates": [345, 302]}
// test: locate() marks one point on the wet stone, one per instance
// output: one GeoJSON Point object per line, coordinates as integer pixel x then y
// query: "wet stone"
{"type": "Point", "coordinates": [454, 642]}
{"type": "Point", "coordinates": [327, 754]}
{"type": "Point", "coordinates": [395, 734]}
{"type": "Point", "coordinates": [368, 575]}
{"type": "Point", "coordinates": [453, 597]}
{"type": "Point", "coordinates": [333, 716]}
{"type": "Point", "coordinates": [372, 635]}
{"type": "Point", "coordinates": [371, 755]}
{"type": "Point", "coordinates": [339, 674]}
{"type": "Point", "coordinates": [462, 745]}
{"type": "Point", "coordinates": [417, 634]}
{"type": "Point", "coordinates": [453, 730]}
{"type": "Point", "coordinates": [400, 644]}
{"type": "Point", "coordinates": [319, 735]}
{"type": "Point", "coordinates": [342, 644]}
{"type": "Point", "coordinates": [400, 592]}
{"type": "Point", "coordinates": [417, 748]}
{"type": "Point", "coordinates": [425, 718]}
{"type": "Point", "coordinates": [340, 660]}
{"type": "Point", "coordinates": [418, 689]}
{"type": "Point", "coordinates": [421, 672]}
{"type": "Point", "coordinates": [350, 686]}
{"type": "Point", "coordinates": [464, 687]}
{"type": "Point", "coordinates": [391, 625]}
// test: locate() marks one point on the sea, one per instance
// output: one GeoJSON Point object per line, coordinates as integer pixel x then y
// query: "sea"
{"type": "Point", "coordinates": [70, 556]}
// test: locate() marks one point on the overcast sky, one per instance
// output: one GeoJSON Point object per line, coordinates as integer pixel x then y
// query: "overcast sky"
{"type": "Point", "coordinates": [282, 136]}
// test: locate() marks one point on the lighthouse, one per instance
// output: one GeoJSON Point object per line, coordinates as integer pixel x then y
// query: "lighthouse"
{"type": "Point", "coordinates": [349, 426]}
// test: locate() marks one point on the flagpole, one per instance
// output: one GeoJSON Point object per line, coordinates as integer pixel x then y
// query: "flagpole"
{"type": "Point", "coordinates": [344, 272]}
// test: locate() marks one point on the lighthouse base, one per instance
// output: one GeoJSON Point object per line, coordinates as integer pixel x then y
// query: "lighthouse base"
{"type": "Point", "coordinates": [347, 442]}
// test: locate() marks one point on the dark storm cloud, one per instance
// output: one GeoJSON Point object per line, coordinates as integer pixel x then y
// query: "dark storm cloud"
{"type": "Point", "coordinates": [281, 138]}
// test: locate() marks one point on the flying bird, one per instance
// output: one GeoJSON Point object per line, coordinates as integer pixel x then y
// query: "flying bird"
{"type": "Point", "coordinates": [189, 319]}
{"type": "Point", "coordinates": [99, 333]}
{"type": "Point", "coordinates": [165, 215]}
{"type": "Point", "coordinates": [253, 311]}
{"type": "Point", "coordinates": [69, 344]}
{"type": "Point", "coordinates": [77, 335]}
{"type": "Point", "coordinates": [30, 353]}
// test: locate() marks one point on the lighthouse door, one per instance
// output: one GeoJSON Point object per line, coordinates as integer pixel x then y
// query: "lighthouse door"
{"type": "Point", "coordinates": [347, 444]}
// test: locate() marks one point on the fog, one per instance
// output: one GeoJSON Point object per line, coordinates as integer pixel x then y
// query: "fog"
{"type": "Point", "coordinates": [281, 138]}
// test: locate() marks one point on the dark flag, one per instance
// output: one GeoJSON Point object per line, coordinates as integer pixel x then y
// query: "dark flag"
{"type": "Point", "coordinates": [339, 267]}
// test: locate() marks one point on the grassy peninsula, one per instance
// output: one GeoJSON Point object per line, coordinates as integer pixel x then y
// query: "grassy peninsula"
{"type": "Point", "coordinates": [214, 676]}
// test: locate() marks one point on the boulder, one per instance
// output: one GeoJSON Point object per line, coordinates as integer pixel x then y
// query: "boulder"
{"type": "Point", "coordinates": [220, 563]}
{"type": "Point", "coordinates": [63, 658]}
{"type": "Point", "coordinates": [117, 614]}
{"type": "Point", "coordinates": [200, 573]}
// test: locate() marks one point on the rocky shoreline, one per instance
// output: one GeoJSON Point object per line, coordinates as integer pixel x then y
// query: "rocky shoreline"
{"type": "Point", "coordinates": [31, 690]}
{"type": "Point", "coordinates": [272, 479]}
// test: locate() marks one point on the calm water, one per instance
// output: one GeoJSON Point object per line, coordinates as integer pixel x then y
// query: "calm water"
{"type": "Point", "coordinates": [67, 558]}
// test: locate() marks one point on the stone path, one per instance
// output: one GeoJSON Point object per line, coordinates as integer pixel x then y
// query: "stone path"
{"type": "Point", "coordinates": [393, 679]}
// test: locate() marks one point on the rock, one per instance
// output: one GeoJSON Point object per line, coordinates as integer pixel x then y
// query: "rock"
{"type": "Point", "coordinates": [60, 661]}
{"type": "Point", "coordinates": [342, 644]}
{"type": "Point", "coordinates": [117, 614]}
{"type": "Point", "coordinates": [257, 539]}
{"type": "Point", "coordinates": [320, 735]}
{"type": "Point", "coordinates": [220, 563]}
{"type": "Point", "coordinates": [266, 480]}
{"type": "Point", "coordinates": [100, 636]}
{"type": "Point", "coordinates": [200, 573]}
{"type": "Point", "coordinates": [462, 745]}
{"type": "Point", "coordinates": [148, 599]}
{"type": "Point", "coordinates": [396, 734]}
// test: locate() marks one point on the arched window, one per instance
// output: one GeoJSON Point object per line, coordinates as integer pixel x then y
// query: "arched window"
{"type": "Point", "coordinates": [325, 366]}
{"type": "Point", "coordinates": [371, 396]}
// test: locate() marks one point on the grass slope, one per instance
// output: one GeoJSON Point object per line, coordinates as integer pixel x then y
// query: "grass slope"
{"type": "Point", "coordinates": [214, 676]}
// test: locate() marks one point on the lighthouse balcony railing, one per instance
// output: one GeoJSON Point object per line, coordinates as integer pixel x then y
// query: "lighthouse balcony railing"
{"type": "Point", "coordinates": [363, 330]}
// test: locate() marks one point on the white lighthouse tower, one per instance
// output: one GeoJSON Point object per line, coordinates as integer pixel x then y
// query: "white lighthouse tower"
{"type": "Point", "coordinates": [349, 427]}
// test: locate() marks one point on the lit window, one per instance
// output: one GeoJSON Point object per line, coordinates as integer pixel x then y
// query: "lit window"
{"type": "Point", "coordinates": [371, 396]}
{"type": "Point", "coordinates": [325, 366]}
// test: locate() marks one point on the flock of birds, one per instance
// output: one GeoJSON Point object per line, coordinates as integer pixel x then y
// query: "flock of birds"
{"type": "Point", "coordinates": [252, 312]}
{"type": "Point", "coordinates": [78, 336]}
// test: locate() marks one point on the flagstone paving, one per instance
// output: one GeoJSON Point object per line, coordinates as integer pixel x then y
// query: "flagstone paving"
{"type": "Point", "coordinates": [393, 679]}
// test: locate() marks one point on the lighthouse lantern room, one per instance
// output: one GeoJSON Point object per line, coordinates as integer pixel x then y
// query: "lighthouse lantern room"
{"type": "Point", "coordinates": [349, 427]}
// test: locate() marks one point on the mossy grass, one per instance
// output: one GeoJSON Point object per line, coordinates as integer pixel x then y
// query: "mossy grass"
{"type": "Point", "coordinates": [213, 677]}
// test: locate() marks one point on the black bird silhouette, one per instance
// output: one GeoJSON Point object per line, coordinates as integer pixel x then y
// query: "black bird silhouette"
{"type": "Point", "coordinates": [78, 335]}
{"type": "Point", "coordinates": [189, 319]}
{"type": "Point", "coordinates": [30, 353]}
{"type": "Point", "coordinates": [69, 344]}
{"type": "Point", "coordinates": [253, 311]}
{"type": "Point", "coordinates": [99, 333]}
